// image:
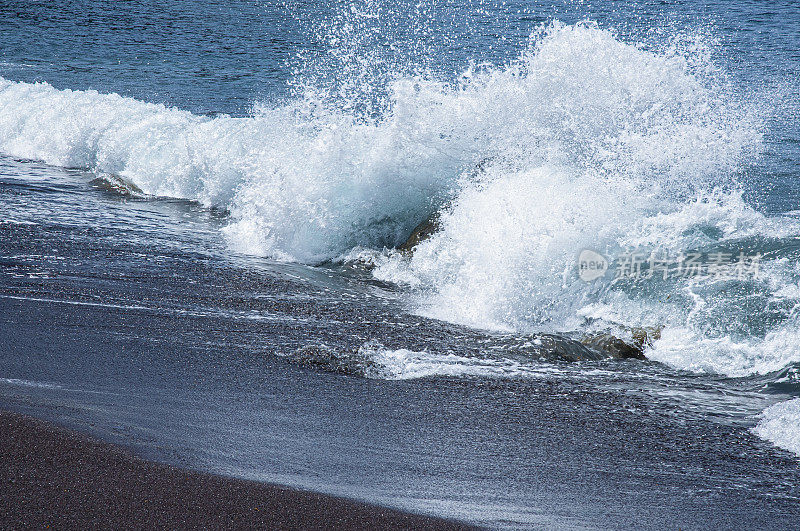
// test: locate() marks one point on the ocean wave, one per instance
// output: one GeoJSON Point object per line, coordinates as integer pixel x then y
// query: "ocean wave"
{"type": "Point", "coordinates": [307, 181]}
{"type": "Point", "coordinates": [645, 158]}
{"type": "Point", "coordinates": [582, 142]}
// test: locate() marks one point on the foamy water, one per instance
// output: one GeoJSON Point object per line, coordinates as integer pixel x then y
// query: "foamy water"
{"type": "Point", "coordinates": [404, 364]}
{"type": "Point", "coordinates": [779, 425]}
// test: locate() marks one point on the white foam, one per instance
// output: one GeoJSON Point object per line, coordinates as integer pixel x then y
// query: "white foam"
{"type": "Point", "coordinates": [688, 349]}
{"type": "Point", "coordinates": [780, 425]}
{"type": "Point", "coordinates": [403, 364]}
{"type": "Point", "coordinates": [29, 383]}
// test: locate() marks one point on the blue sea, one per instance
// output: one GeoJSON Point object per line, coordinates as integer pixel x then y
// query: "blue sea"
{"type": "Point", "coordinates": [202, 205]}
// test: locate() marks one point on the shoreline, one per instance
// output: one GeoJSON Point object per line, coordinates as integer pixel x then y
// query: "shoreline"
{"type": "Point", "coordinates": [51, 476]}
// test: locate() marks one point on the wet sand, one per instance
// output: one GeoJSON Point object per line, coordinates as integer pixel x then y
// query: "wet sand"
{"type": "Point", "coordinates": [54, 477]}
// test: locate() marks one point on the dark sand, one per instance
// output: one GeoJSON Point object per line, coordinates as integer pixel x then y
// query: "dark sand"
{"type": "Point", "coordinates": [51, 476]}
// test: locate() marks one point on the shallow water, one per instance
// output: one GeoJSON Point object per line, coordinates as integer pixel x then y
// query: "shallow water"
{"type": "Point", "coordinates": [205, 276]}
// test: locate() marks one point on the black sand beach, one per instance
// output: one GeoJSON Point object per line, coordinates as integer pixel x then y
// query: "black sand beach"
{"type": "Point", "coordinates": [53, 477]}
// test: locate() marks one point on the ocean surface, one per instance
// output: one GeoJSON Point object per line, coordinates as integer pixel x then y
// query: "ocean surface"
{"type": "Point", "coordinates": [201, 201]}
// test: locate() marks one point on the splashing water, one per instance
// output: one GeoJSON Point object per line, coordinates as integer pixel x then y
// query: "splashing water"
{"type": "Point", "coordinates": [583, 142]}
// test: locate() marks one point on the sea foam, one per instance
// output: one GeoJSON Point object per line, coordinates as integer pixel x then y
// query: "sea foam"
{"type": "Point", "coordinates": [779, 425]}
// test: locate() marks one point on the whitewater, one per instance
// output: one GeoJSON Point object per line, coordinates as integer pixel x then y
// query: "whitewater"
{"type": "Point", "coordinates": [584, 141]}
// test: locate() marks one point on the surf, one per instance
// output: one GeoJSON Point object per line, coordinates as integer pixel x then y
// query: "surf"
{"type": "Point", "coordinates": [583, 141]}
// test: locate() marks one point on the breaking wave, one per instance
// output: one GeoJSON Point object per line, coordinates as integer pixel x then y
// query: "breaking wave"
{"type": "Point", "coordinates": [584, 141]}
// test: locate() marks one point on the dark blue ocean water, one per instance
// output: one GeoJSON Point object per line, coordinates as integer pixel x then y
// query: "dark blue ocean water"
{"type": "Point", "coordinates": [199, 201]}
